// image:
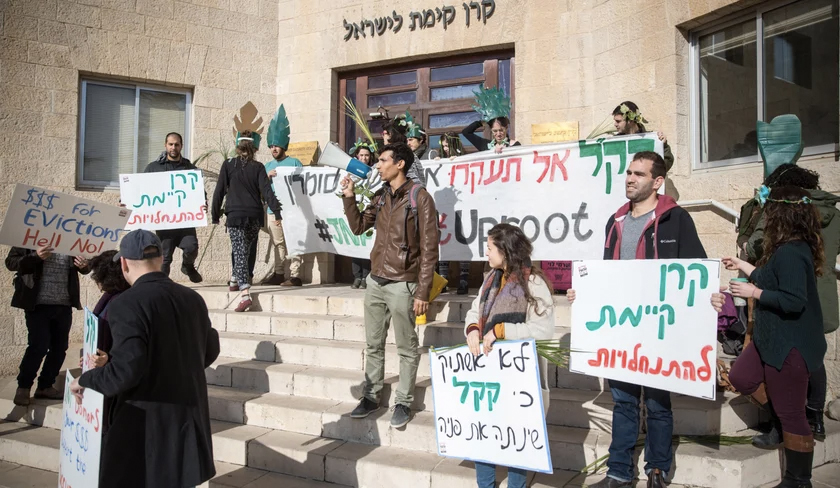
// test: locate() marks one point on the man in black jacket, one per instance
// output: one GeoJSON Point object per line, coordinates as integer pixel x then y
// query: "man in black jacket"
{"type": "Point", "coordinates": [649, 226]}
{"type": "Point", "coordinates": [186, 239]}
{"type": "Point", "coordinates": [159, 426]}
{"type": "Point", "coordinates": [47, 289]}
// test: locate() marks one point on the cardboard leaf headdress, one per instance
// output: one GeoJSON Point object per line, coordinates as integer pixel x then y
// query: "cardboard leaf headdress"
{"type": "Point", "coordinates": [779, 141]}
{"type": "Point", "coordinates": [248, 119]}
{"type": "Point", "coordinates": [491, 103]}
{"type": "Point", "coordinates": [279, 129]}
{"type": "Point", "coordinates": [362, 144]}
{"type": "Point", "coordinates": [413, 129]}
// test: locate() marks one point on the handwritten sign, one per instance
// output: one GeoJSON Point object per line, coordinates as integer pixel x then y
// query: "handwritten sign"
{"type": "Point", "coordinates": [91, 338]}
{"type": "Point", "coordinates": [561, 195]}
{"type": "Point", "coordinates": [70, 225]}
{"type": "Point", "coordinates": [490, 408]}
{"type": "Point", "coordinates": [647, 322]}
{"type": "Point", "coordinates": [554, 132]}
{"type": "Point", "coordinates": [305, 152]}
{"type": "Point", "coordinates": [169, 200]}
{"type": "Point", "coordinates": [81, 439]}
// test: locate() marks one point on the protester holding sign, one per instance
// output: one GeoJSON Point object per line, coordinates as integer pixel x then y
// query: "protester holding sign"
{"type": "Point", "coordinates": [159, 429]}
{"type": "Point", "coordinates": [172, 160]}
{"type": "Point", "coordinates": [649, 226]}
{"type": "Point", "coordinates": [245, 183]}
{"type": "Point", "coordinates": [108, 276]}
{"type": "Point", "coordinates": [402, 268]}
{"type": "Point", "coordinates": [47, 289]}
{"type": "Point", "coordinates": [514, 303]}
{"type": "Point", "coordinates": [628, 119]}
{"type": "Point", "coordinates": [788, 342]}
{"type": "Point", "coordinates": [494, 107]}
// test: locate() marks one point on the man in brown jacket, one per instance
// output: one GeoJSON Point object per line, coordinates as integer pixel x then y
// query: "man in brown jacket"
{"type": "Point", "coordinates": [403, 260]}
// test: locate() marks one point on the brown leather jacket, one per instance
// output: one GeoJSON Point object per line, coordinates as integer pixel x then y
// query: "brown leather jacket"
{"type": "Point", "coordinates": [392, 258]}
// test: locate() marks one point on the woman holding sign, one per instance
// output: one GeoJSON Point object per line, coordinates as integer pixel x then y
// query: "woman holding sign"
{"type": "Point", "coordinates": [515, 302]}
{"type": "Point", "coordinates": [245, 183]}
{"type": "Point", "coordinates": [788, 342]}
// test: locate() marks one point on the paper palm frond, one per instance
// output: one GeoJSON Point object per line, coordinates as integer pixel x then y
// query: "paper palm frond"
{"type": "Point", "coordinates": [279, 129]}
{"type": "Point", "coordinates": [491, 103]}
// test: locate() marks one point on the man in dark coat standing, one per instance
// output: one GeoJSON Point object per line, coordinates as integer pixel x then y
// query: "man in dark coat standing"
{"type": "Point", "coordinates": [159, 427]}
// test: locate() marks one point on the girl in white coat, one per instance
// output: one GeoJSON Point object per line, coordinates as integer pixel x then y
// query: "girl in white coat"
{"type": "Point", "coordinates": [515, 302]}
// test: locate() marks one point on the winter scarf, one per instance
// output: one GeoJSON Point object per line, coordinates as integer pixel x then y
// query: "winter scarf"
{"type": "Point", "coordinates": [502, 301]}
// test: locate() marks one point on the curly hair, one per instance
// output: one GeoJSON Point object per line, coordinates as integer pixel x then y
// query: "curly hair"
{"type": "Point", "coordinates": [789, 221]}
{"type": "Point", "coordinates": [107, 273]}
{"type": "Point", "coordinates": [792, 175]}
{"type": "Point", "coordinates": [517, 250]}
{"type": "Point", "coordinates": [246, 149]}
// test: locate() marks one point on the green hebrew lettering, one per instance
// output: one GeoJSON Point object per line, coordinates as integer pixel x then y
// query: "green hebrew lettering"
{"type": "Point", "coordinates": [606, 310]}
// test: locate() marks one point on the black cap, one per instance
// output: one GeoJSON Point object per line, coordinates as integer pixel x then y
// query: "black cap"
{"type": "Point", "coordinates": [134, 246]}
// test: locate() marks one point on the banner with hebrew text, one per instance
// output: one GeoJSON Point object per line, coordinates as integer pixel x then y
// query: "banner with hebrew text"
{"type": "Point", "coordinates": [490, 408]}
{"type": "Point", "coordinates": [166, 200]}
{"type": "Point", "coordinates": [647, 322]}
{"type": "Point", "coordinates": [561, 195]}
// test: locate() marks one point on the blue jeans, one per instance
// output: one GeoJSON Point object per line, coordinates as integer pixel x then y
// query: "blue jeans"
{"type": "Point", "coordinates": [625, 425]}
{"type": "Point", "coordinates": [485, 474]}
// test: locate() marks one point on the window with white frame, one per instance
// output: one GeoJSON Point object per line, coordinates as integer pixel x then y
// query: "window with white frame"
{"type": "Point", "coordinates": [779, 58]}
{"type": "Point", "coordinates": [123, 128]}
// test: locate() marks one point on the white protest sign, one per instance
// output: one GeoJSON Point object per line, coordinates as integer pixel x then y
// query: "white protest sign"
{"type": "Point", "coordinates": [70, 225]}
{"type": "Point", "coordinates": [167, 200]}
{"type": "Point", "coordinates": [91, 338]}
{"type": "Point", "coordinates": [647, 322]}
{"type": "Point", "coordinates": [561, 195]}
{"type": "Point", "coordinates": [81, 439]}
{"type": "Point", "coordinates": [490, 408]}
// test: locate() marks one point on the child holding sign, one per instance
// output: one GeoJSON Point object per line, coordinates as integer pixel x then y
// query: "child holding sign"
{"type": "Point", "coordinates": [788, 343]}
{"type": "Point", "coordinates": [515, 302]}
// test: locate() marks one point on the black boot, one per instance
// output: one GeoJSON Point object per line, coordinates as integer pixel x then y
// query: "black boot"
{"type": "Point", "coordinates": [816, 421]}
{"type": "Point", "coordinates": [772, 438]}
{"type": "Point", "coordinates": [799, 456]}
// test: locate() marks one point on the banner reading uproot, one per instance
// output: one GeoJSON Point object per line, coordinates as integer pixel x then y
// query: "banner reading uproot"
{"type": "Point", "coordinates": [81, 439]}
{"type": "Point", "coordinates": [490, 408]}
{"type": "Point", "coordinates": [70, 225]}
{"type": "Point", "coordinates": [171, 200]}
{"type": "Point", "coordinates": [561, 195]}
{"type": "Point", "coordinates": [647, 322]}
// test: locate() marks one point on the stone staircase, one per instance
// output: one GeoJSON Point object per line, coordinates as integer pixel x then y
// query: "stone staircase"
{"type": "Point", "coordinates": [291, 371]}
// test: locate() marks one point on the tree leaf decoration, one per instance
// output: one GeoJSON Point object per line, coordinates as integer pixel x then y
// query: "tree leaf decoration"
{"type": "Point", "coordinates": [248, 119]}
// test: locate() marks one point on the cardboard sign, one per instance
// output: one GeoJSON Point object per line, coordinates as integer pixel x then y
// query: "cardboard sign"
{"type": "Point", "coordinates": [554, 132]}
{"type": "Point", "coordinates": [167, 200]}
{"type": "Point", "coordinates": [81, 439]}
{"type": "Point", "coordinates": [70, 225]}
{"type": "Point", "coordinates": [306, 152]}
{"type": "Point", "coordinates": [490, 408]}
{"type": "Point", "coordinates": [647, 322]}
{"type": "Point", "coordinates": [561, 195]}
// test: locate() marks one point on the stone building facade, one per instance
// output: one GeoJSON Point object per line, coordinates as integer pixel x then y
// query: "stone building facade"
{"type": "Point", "coordinates": [573, 61]}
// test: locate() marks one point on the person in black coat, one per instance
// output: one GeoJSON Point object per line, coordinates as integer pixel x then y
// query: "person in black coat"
{"type": "Point", "coordinates": [245, 183]}
{"type": "Point", "coordinates": [159, 425]}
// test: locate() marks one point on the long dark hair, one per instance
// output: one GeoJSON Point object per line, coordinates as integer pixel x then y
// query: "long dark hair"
{"type": "Point", "coordinates": [517, 249]}
{"type": "Point", "coordinates": [454, 148]}
{"type": "Point", "coordinates": [108, 274]}
{"type": "Point", "coordinates": [790, 219]}
{"type": "Point", "coordinates": [246, 149]}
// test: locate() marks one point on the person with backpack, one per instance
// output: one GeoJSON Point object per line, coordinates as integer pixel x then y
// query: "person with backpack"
{"type": "Point", "coordinates": [751, 241]}
{"type": "Point", "coordinates": [403, 260]}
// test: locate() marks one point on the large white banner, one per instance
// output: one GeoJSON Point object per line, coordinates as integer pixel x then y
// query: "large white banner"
{"type": "Point", "coordinates": [169, 200]}
{"type": "Point", "coordinates": [561, 195]}
{"type": "Point", "coordinates": [70, 225]}
{"type": "Point", "coordinates": [489, 408]}
{"type": "Point", "coordinates": [647, 322]}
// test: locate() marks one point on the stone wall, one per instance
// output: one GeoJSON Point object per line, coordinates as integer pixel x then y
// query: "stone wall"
{"type": "Point", "coordinates": [574, 61]}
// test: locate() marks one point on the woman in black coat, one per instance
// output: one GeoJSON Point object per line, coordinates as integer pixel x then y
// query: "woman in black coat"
{"type": "Point", "coordinates": [245, 183]}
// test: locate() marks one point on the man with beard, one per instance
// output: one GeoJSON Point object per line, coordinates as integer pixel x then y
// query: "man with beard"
{"type": "Point", "coordinates": [649, 226]}
{"type": "Point", "coordinates": [186, 239]}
